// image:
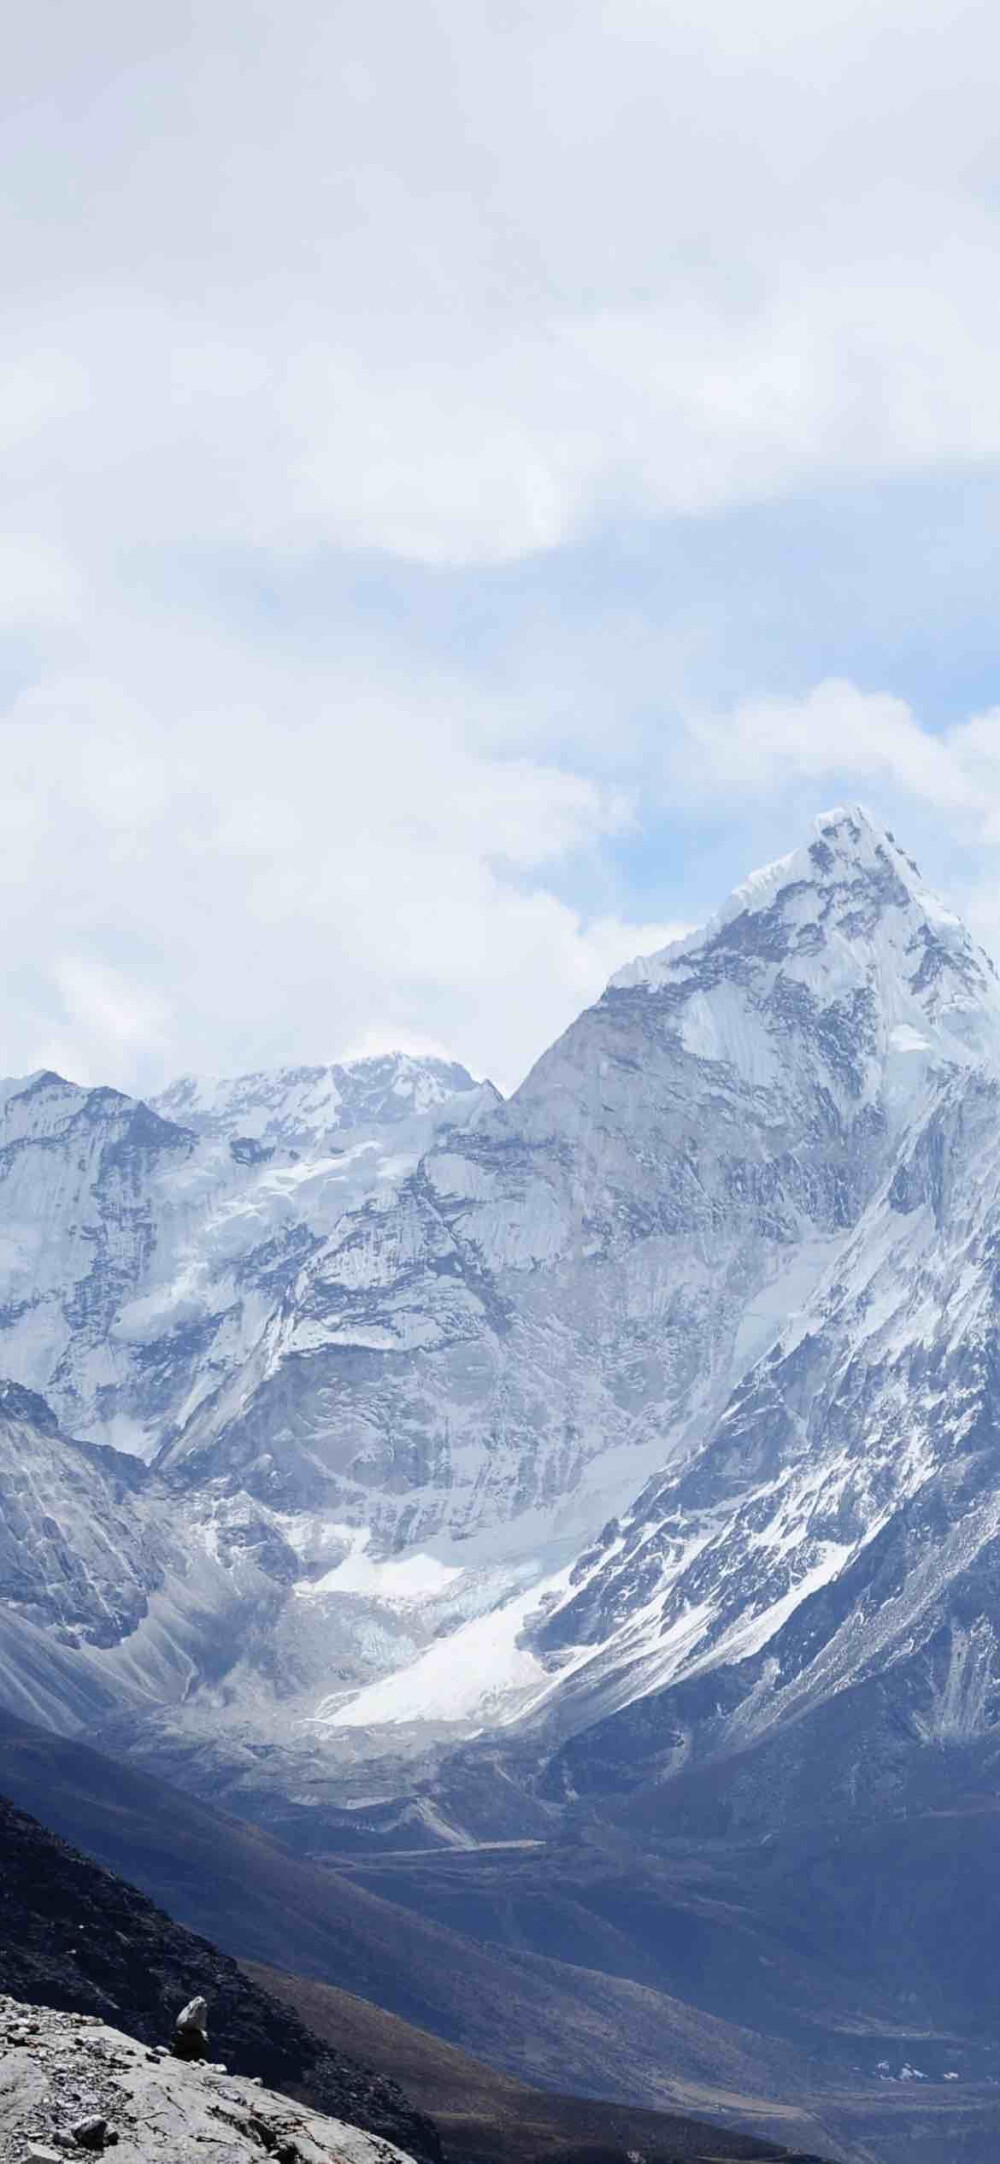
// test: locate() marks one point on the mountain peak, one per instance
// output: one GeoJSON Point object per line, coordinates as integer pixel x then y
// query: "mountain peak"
{"type": "Point", "coordinates": [847, 846]}
{"type": "Point", "coordinates": [846, 840]}
{"type": "Point", "coordinates": [847, 914]}
{"type": "Point", "coordinates": [289, 1104]}
{"type": "Point", "coordinates": [852, 857]}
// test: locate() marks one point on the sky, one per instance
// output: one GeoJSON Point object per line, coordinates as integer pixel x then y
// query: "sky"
{"type": "Point", "coordinates": [478, 477]}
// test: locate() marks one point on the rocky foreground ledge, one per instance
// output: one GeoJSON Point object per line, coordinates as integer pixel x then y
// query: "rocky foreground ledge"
{"type": "Point", "coordinates": [72, 2086]}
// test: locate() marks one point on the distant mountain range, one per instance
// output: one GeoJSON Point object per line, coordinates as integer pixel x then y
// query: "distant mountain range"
{"type": "Point", "coordinates": [411, 1469]}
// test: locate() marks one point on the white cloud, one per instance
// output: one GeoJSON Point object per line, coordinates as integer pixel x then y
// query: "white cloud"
{"type": "Point", "coordinates": [332, 862]}
{"type": "Point", "coordinates": [837, 730]}
{"type": "Point", "coordinates": [453, 281]}
{"type": "Point", "coordinates": [293, 292]}
{"type": "Point", "coordinates": [840, 732]}
{"type": "Point", "coordinates": [38, 585]}
{"type": "Point", "coordinates": [110, 1006]}
{"type": "Point", "coordinates": [942, 788]}
{"type": "Point", "coordinates": [330, 859]}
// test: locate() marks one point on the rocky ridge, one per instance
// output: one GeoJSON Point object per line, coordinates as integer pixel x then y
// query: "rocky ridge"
{"type": "Point", "coordinates": [79, 1939]}
{"type": "Point", "coordinates": [142, 1253]}
{"type": "Point", "coordinates": [60, 2071]}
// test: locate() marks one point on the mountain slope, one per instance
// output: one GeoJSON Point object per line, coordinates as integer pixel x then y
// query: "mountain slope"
{"type": "Point", "coordinates": [117, 1593]}
{"type": "Point", "coordinates": [556, 1970]}
{"type": "Point", "coordinates": [551, 2022]}
{"type": "Point", "coordinates": [485, 2117]}
{"type": "Point", "coordinates": [74, 1937]}
{"type": "Point", "coordinates": [60, 2070]}
{"type": "Point", "coordinates": [141, 1255]}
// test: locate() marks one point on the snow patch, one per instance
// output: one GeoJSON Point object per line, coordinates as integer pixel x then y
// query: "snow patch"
{"type": "Point", "coordinates": [399, 1578]}
{"type": "Point", "coordinates": [479, 1671]}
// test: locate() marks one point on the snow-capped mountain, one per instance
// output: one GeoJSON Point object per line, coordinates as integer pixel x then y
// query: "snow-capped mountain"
{"type": "Point", "coordinates": [559, 1299]}
{"type": "Point", "coordinates": [305, 1107]}
{"type": "Point", "coordinates": [654, 1380]}
{"type": "Point", "coordinates": [785, 1084]}
{"type": "Point", "coordinates": [140, 1258]}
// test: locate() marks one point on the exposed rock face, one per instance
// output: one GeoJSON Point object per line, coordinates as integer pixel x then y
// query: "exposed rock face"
{"type": "Point", "coordinates": [88, 1570]}
{"type": "Point", "coordinates": [117, 1592]}
{"type": "Point", "coordinates": [139, 1261]}
{"type": "Point", "coordinates": [154, 2109]}
{"type": "Point", "coordinates": [142, 1254]}
{"type": "Point", "coordinates": [74, 1937]}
